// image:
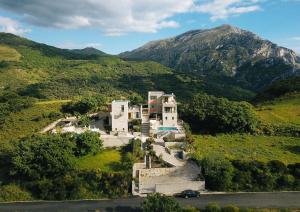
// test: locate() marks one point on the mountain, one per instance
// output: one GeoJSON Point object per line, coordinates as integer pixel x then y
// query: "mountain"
{"type": "Point", "coordinates": [278, 89]}
{"type": "Point", "coordinates": [223, 51]}
{"type": "Point", "coordinates": [82, 54]}
{"type": "Point", "coordinates": [46, 72]}
{"type": "Point", "coordinates": [88, 51]}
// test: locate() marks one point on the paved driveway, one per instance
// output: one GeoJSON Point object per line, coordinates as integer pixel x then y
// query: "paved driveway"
{"type": "Point", "coordinates": [178, 179]}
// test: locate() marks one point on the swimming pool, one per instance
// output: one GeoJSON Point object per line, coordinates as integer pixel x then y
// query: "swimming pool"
{"type": "Point", "coordinates": [167, 129]}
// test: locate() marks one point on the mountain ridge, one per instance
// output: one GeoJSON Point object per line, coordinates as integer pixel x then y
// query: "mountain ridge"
{"type": "Point", "coordinates": [224, 50]}
{"type": "Point", "coordinates": [85, 53]}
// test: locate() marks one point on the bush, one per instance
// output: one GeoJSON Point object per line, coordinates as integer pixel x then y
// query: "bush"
{"type": "Point", "coordinates": [230, 208]}
{"type": "Point", "coordinates": [88, 143]}
{"type": "Point", "coordinates": [13, 193]}
{"type": "Point", "coordinates": [136, 148]}
{"type": "Point", "coordinates": [286, 181]}
{"type": "Point", "coordinates": [190, 209]}
{"type": "Point", "coordinates": [85, 105]}
{"type": "Point", "coordinates": [160, 203]}
{"type": "Point", "coordinates": [213, 207]}
{"type": "Point", "coordinates": [42, 156]}
{"type": "Point", "coordinates": [218, 173]}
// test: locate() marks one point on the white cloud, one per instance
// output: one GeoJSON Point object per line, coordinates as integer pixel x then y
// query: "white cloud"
{"type": "Point", "coordinates": [222, 9]}
{"type": "Point", "coordinates": [117, 17]}
{"type": "Point", "coordinates": [296, 38]}
{"type": "Point", "coordinates": [11, 26]}
{"type": "Point", "coordinates": [114, 17]}
{"type": "Point", "coordinates": [72, 45]}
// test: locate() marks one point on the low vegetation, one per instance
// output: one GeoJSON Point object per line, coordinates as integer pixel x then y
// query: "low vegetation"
{"type": "Point", "coordinates": [28, 121]}
{"type": "Point", "coordinates": [240, 175]}
{"type": "Point", "coordinates": [284, 110]}
{"type": "Point", "coordinates": [161, 203]}
{"type": "Point", "coordinates": [248, 147]}
{"type": "Point", "coordinates": [8, 54]}
{"type": "Point", "coordinates": [40, 84]}
{"type": "Point", "coordinates": [68, 166]}
{"type": "Point", "coordinates": [107, 160]}
{"type": "Point", "coordinates": [12, 192]}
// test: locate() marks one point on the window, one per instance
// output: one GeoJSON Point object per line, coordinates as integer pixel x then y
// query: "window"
{"type": "Point", "coordinates": [173, 118]}
{"type": "Point", "coordinates": [152, 106]}
{"type": "Point", "coordinates": [137, 115]}
{"type": "Point", "coordinates": [166, 118]}
{"type": "Point", "coordinates": [116, 129]}
{"type": "Point", "coordinates": [153, 97]}
{"type": "Point", "coordinates": [123, 129]}
{"type": "Point", "coordinates": [168, 109]}
{"type": "Point", "coordinates": [122, 108]}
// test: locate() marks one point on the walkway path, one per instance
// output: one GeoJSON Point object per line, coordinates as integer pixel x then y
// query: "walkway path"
{"type": "Point", "coordinates": [170, 159]}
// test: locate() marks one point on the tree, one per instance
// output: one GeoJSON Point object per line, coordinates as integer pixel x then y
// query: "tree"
{"type": "Point", "coordinates": [88, 143]}
{"type": "Point", "coordinates": [218, 173]}
{"type": "Point", "coordinates": [160, 203]}
{"type": "Point", "coordinates": [277, 166]}
{"type": "Point", "coordinates": [42, 156]}
{"type": "Point", "coordinates": [136, 99]}
{"type": "Point", "coordinates": [217, 115]}
{"type": "Point", "coordinates": [85, 105]}
{"type": "Point", "coordinates": [84, 121]}
{"type": "Point", "coordinates": [286, 181]}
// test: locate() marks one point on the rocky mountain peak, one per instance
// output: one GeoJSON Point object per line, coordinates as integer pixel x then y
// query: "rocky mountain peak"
{"type": "Point", "coordinates": [224, 50]}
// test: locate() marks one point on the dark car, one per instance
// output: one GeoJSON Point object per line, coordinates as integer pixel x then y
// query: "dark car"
{"type": "Point", "coordinates": [189, 194]}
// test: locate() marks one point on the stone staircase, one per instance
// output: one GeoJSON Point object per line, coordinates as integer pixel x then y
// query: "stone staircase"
{"type": "Point", "coordinates": [145, 128]}
{"type": "Point", "coordinates": [167, 157]}
{"type": "Point", "coordinates": [162, 134]}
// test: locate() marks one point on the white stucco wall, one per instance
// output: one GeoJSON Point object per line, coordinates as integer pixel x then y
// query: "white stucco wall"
{"type": "Point", "coordinates": [170, 119]}
{"type": "Point", "coordinates": [119, 118]}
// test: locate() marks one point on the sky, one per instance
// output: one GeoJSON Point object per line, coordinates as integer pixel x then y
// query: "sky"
{"type": "Point", "coordinates": [115, 26]}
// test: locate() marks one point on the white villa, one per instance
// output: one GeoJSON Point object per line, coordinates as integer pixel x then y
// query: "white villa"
{"type": "Point", "coordinates": [158, 117]}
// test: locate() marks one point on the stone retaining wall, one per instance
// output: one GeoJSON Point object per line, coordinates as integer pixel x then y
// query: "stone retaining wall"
{"type": "Point", "coordinates": [174, 188]}
{"type": "Point", "coordinates": [155, 172]}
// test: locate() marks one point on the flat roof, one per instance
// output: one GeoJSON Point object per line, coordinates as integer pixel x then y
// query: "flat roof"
{"type": "Point", "coordinates": [120, 100]}
{"type": "Point", "coordinates": [169, 94]}
{"type": "Point", "coordinates": [156, 92]}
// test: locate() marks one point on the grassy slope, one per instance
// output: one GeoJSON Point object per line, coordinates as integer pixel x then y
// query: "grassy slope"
{"type": "Point", "coordinates": [107, 160]}
{"type": "Point", "coordinates": [48, 72]}
{"type": "Point", "coordinates": [28, 121]}
{"type": "Point", "coordinates": [281, 111]}
{"type": "Point", "coordinates": [247, 147]}
{"type": "Point", "coordinates": [8, 54]}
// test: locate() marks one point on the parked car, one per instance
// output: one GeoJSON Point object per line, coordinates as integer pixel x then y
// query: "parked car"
{"type": "Point", "coordinates": [188, 194]}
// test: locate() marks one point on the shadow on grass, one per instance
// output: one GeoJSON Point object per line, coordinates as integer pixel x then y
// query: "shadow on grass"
{"type": "Point", "coordinates": [293, 149]}
{"type": "Point", "coordinates": [116, 166]}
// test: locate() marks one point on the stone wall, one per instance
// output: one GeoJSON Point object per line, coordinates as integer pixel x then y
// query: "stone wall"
{"type": "Point", "coordinates": [155, 172]}
{"type": "Point", "coordinates": [174, 188]}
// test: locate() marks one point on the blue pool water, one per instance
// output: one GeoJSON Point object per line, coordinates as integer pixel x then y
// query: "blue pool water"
{"type": "Point", "coordinates": [167, 129]}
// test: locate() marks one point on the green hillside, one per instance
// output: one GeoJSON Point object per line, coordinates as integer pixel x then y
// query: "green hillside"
{"type": "Point", "coordinates": [8, 54]}
{"type": "Point", "coordinates": [48, 72]}
{"type": "Point", "coordinates": [248, 147]}
{"type": "Point", "coordinates": [41, 83]}
{"type": "Point", "coordinates": [29, 121]}
{"type": "Point", "coordinates": [284, 110]}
